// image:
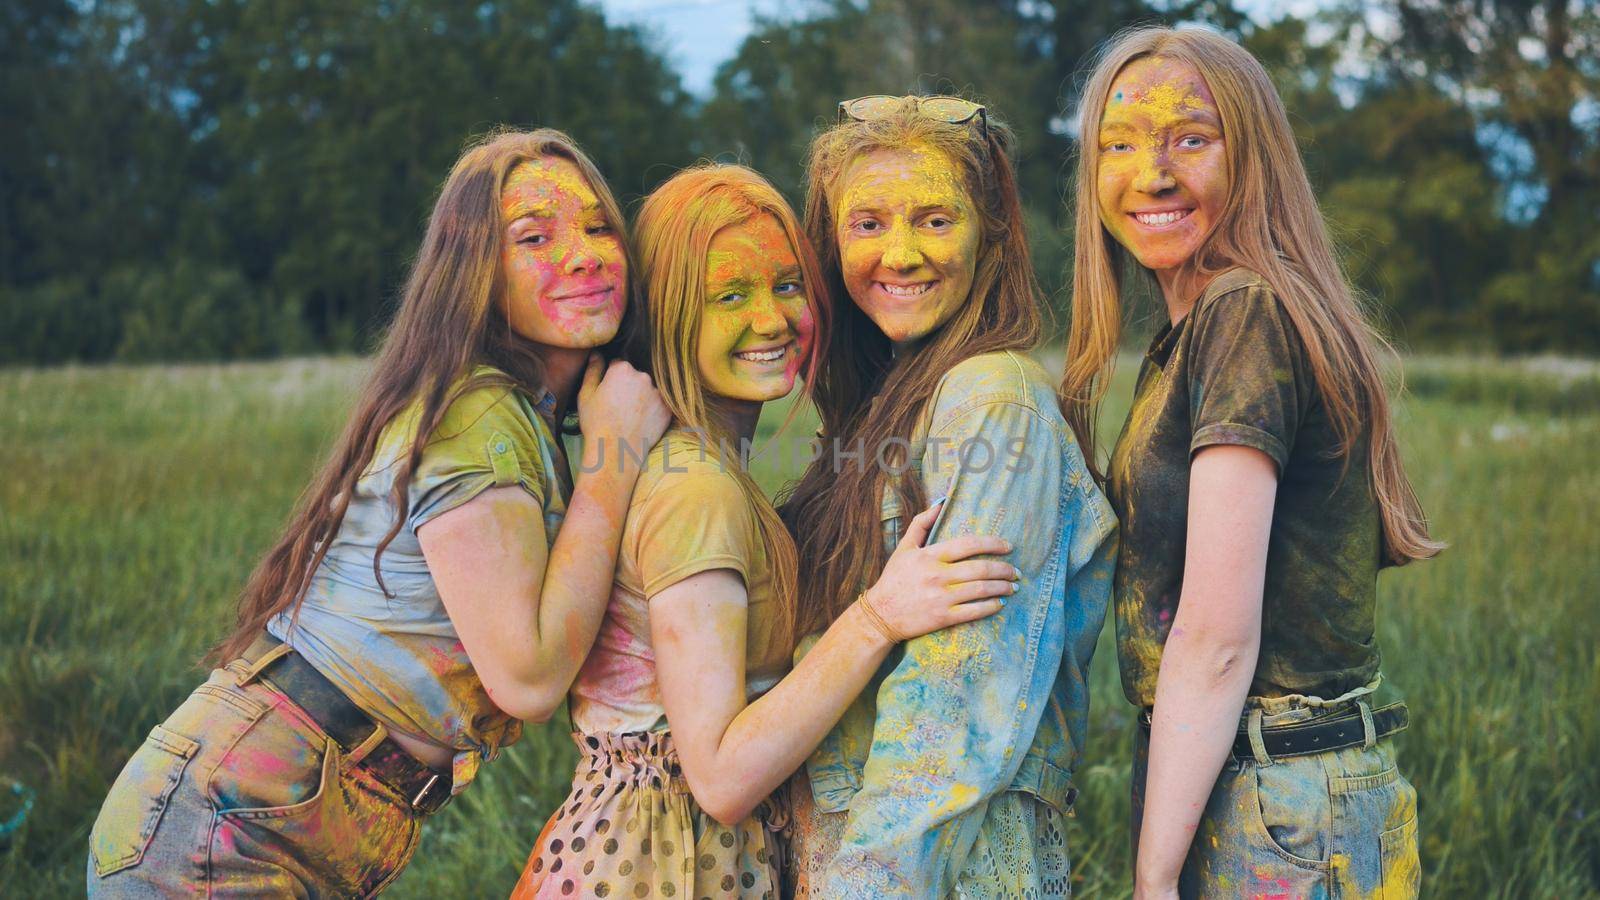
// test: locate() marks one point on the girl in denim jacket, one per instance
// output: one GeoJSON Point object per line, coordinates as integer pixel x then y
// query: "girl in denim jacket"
{"type": "Point", "coordinates": [952, 773]}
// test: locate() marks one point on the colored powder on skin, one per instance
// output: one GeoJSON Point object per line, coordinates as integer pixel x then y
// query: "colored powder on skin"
{"type": "Point", "coordinates": [805, 332]}
{"type": "Point", "coordinates": [929, 180]}
{"type": "Point", "coordinates": [754, 259]}
{"type": "Point", "coordinates": [884, 221]}
{"type": "Point", "coordinates": [548, 188]}
{"type": "Point", "coordinates": [1166, 105]}
{"type": "Point", "coordinates": [543, 179]}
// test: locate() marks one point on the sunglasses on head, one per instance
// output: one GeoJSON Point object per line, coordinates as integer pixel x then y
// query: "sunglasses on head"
{"type": "Point", "coordinates": [953, 110]}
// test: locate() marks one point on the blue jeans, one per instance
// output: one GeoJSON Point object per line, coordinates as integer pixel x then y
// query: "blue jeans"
{"type": "Point", "coordinates": [240, 792]}
{"type": "Point", "coordinates": [1336, 824]}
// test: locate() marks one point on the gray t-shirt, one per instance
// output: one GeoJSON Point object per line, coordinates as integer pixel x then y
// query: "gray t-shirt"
{"type": "Point", "coordinates": [398, 657]}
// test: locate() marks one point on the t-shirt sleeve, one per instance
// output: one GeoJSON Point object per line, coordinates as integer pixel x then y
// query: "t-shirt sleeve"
{"type": "Point", "coordinates": [1244, 376]}
{"type": "Point", "coordinates": [691, 522]}
{"type": "Point", "coordinates": [484, 440]}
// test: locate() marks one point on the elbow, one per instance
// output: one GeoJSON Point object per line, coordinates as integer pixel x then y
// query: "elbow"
{"type": "Point", "coordinates": [530, 703]}
{"type": "Point", "coordinates": [1217, 657]}
{"type": "Point", "coordinates": [726, 806]}
{"type": "Point", "coordinates": [729, 813]}
{"type": "Point", "coordinates": [1227, 663]}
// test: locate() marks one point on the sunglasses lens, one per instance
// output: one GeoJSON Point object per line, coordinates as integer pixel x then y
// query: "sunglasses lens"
{"type": "Point", "coordinates": [949, 109]}
{"type": "Point", "coordinates": [866, 109]}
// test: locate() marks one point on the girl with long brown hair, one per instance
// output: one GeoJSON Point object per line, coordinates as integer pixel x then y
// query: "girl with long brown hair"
{"type": "Point", "coordinates": [952, 771]}
{"type": "Point", "coordinates": [684, 717]}
{"type": "Point", "coordinates": [1258, 485]}
{"type": "Point", "coordinates": [420, 601]}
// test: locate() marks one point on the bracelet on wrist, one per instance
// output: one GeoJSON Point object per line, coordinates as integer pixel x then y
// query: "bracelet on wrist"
{"type": "Point", "coordinates": [877, 619]}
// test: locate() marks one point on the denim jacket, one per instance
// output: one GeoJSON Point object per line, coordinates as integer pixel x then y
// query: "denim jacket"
{"type": "Point", "coordinates": [957, 716]}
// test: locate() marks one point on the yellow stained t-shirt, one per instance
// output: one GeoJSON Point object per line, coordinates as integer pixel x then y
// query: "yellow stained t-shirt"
{"type": "Point", "coordinates": [688, 515]}
{"type": "Point", "coordinates": [390, 646]}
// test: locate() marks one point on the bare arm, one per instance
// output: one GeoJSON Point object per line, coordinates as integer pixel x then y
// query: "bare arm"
{"type": "Point", "coordinates": [1209, 657]}
{"type": "Point", "coordinates": [527, 617]}
{"type": "Point", "coordinates": [734, 754]}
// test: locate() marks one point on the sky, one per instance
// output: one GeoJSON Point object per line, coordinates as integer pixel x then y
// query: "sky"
{"type": "Point", "coordinates": [699, 35]}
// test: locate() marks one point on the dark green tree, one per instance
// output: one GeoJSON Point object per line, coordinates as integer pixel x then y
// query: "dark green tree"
{"type": "Point", "coordinates": [1529, 72]}
{"type": "Point", "coordinates": [1407, 187]}
{"type": "Point", "coordinates": [276, 159]}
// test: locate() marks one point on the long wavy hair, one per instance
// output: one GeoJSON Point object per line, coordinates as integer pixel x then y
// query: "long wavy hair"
{"type": "Point", "coordinates": [673, 234]}
{"type": "Point", "coordinates": [1270, 225]}
{"type": "Point", "coordinates": [867, 396]}
{"type": "Point", "coordinates": [443, 329]}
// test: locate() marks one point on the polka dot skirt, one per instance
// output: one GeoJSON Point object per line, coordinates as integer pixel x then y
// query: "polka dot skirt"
{"type": "Point", "coordinates": [630, 828]}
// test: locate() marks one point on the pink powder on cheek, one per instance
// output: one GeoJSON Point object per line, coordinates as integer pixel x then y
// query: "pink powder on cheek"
{"type": "Point", "coordinates": [805, 333]}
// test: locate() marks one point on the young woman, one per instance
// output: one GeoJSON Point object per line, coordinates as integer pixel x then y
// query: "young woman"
{"type": "Point", "coordinates": [1257, 482]}
{"type": "Point", "coordinates": [683, 721]}
{"type": "Point", "coordinates": [420, 601]}
{"type": "Point", "coordinates": [952, 772]}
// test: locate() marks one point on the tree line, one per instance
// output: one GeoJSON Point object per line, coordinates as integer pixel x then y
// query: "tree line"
{"type": "Point", "coordinates": [214, 179]}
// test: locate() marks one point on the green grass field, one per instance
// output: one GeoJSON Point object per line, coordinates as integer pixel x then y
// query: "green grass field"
{"type": "Point", "coordinates": [137, 500]}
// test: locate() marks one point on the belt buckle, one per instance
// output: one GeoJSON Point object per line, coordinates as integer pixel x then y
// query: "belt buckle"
{"type": "Point", "coordinates": [421, 802]}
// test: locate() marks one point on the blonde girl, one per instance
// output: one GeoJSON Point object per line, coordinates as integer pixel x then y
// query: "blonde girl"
{"type": "Point", "coordinates": [684, 716]}
{"type": "Point", "coordinates": [1257, 482]}
{"type": "Point", "coordinates": [420, 602]}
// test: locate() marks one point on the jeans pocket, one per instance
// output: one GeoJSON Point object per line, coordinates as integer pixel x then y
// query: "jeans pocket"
{"type": "Point", "coordinates": [1292, 810]}
{"type": "Point", "coordinates": [288, 806]}
{"type": "Point", "coordinates": [1261, 835]}
{"type": "Point", "coordinates": [133, 809]}
{"type": "Point", "coordinates": [1402, 869]}
{"type": "Point", "coordinates": [1375, 812]}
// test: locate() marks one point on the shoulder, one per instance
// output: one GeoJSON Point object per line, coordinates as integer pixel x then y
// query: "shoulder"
{"type": "Point", "coordinates": [488, 425]}
{"type": "Point", "coordinates": [1237, 292]}
{"type": "Point", "coordinates": [484, 399]}
{"type": "Point", "coordinates": [480, 404]}
{"type": "Point", "coordinates": [683, 468]}
{"type": "Point", "coordinates": [1002, 377]}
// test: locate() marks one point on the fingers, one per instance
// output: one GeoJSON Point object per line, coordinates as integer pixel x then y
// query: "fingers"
{"type": "Point", "coordinates": [971, 612]}
{"type": "Point", "coordinates": [967, 545]}
{"type": "Point", "coordinates": [591, 374]}
{"type": "Point", "coordinates": [968, 591]}
{"type": "Point", "coordinates": [981, 569]}
{"type": "Point", "coordinates": [922, 523]}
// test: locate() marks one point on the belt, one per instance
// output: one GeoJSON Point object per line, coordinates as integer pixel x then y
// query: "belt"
{"type": "Point", "coordinates": [424, 788]}
{"type": "Point", "coordinates": [1335, 732]}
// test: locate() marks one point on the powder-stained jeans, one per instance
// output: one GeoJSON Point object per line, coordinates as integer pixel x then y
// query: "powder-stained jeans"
{"type": "Point", "coordinates": [240, 792]}
{"type": "Point", "coordinates": [1337, 824]}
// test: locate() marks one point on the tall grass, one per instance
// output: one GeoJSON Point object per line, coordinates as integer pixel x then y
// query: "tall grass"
{"type": "Point", "coordinates": [136, 500]}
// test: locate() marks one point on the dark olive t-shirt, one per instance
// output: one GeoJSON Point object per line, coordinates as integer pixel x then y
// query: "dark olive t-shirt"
{"type": "Point", "coordinates": [1234, 371]}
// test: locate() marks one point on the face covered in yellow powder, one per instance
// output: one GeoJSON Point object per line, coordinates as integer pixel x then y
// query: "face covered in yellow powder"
{"type": "Point", "coordinates": [562, 259]}
{"type": "Point", "coordinates": [908, 239]}
{"type": "Point", "coordinates": [756, 326]}
{"type": "Point", "coordinates": [1162, 178]}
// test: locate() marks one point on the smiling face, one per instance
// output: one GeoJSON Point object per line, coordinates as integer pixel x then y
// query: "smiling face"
{"type": "Point", "coordinates": [756, 326]}
{"type": "Point", "coordinates": [908, 240]}
{"type": "Point", "coordinates": [1162, 177]}
{"type": "Point", "coordinates": [562, 259]}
